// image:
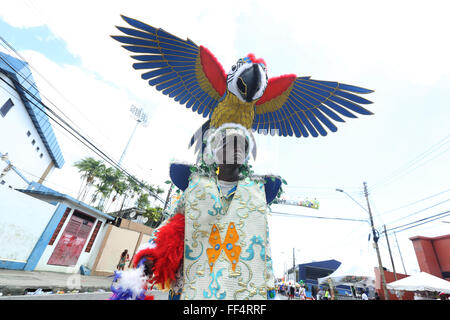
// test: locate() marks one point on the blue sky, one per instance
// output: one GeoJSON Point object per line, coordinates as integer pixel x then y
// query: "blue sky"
{"type": "Point", "coordinates": [396, 49]}
{"type": "Point", "coordinates": [40, 39]}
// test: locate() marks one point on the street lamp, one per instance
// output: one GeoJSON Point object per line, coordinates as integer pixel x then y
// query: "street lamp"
{"type": "Point", "coordinates": [340, 190]}
{"type": "Point", "coordinates": [141, 118]}
{"type": "Point", "coordinates": [375, 236]}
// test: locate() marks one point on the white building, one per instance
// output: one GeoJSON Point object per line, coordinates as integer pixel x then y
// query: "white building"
{"type": "Point", "coordinates": [28, 146]}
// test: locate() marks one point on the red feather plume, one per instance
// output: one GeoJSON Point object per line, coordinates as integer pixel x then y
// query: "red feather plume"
{"type": "Point", "coordinates": [254, 60]}
{"type": "Point", "coordinates": [168, 252]}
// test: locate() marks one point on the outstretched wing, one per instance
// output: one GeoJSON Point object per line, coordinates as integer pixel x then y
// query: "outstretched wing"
{"type": "Point", "coordinates": [179, 68]}
{"type": "Point", "coordinates": [302, 106]}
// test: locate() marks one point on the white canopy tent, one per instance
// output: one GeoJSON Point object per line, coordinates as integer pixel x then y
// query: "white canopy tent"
{"type": "Point", "coordinates": [357, 275]}
{"type": "Point", "coordinates": [421, 281]}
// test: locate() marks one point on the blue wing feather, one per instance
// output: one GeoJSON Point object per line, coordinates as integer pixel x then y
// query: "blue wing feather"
{"type": "Point", "coordinates": [330, 113]}
{"type": "Point", "coordinates": [339, 109]}
{"type": "Point", "coordinates": [308, 124]}
{"type": "Point", "coordinates": [352, 106]}
{"type": "Point", "coordinates": [312, 106]}
{"type": "Point", "coordinates": [315, 123]}
{"type": "Point", "coordinates": [170, 63]}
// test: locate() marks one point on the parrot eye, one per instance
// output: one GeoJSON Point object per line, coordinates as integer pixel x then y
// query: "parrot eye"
{"type": "Point", "coordinates": [233, 68]}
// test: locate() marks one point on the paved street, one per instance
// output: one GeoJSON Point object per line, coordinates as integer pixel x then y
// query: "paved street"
{"type": "Point", "coordinates": [159, 295]}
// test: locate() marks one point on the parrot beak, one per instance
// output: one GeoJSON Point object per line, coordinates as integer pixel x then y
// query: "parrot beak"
{"type": "Point", "coordinates": [250, 81]}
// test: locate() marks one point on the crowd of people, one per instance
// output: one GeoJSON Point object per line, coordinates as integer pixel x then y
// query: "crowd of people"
{"type": "Point", "coordinates": [299, 291]}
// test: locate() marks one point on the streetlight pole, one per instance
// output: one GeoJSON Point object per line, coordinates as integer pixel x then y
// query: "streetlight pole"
{"type": "Point", "coordinates": [141, 118]}
{"type": "Point", "coordinates": [375, 241]}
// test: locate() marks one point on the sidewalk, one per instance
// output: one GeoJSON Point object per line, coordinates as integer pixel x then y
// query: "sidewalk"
{"type": "Point", "coordinates": [19, 282]}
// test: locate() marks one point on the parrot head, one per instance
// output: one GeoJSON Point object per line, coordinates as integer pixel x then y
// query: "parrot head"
{"type": "Point", "coordinates": [248, 79]}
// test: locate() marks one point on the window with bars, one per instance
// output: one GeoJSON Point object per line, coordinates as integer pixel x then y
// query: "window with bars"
{"type": "Point", "coordinates": [58, 228]}
{"type": "Point", "coordinates": [93, 236]}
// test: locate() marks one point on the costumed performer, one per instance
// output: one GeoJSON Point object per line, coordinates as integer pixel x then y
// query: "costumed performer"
{"type": "Point", "coordinates": [216, 243]}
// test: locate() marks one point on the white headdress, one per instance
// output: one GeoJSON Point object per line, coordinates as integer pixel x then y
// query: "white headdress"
{"type": "Point", "coordinates": [232, 138]}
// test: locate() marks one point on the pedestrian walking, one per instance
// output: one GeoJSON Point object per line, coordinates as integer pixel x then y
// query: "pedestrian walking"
{"type": "Point", "coordinates": [291, 292]}
{"type": "Point", "coordinates": [124, 257]}
{"type": "Point", "coordinates": [327, 295]}
{"type": "Point", "coordinates": [320, 294]}
{"type": "Point", "coordinates": [313, 293]}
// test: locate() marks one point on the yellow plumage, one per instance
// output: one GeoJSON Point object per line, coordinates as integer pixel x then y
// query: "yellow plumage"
{"type": "Point", "coordinates": [231, 109]}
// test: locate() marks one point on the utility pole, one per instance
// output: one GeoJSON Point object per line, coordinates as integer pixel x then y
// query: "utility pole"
{"type": "Point", "coordinates": [401, 257]}
{"type": "Point", "coordinates": [375, 241]}
{"type": "Point", "coordinates": [293, 265]}
{"type": "Point", "coordinates": [293, 258]}
{"type": "Point", "coordinates": [390, 254]}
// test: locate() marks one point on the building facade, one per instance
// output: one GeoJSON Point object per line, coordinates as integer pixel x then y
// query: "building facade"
{"type": "Point", "coordinates": [28, 146]}
{"type": "Point", "coordinates": [433, 255]}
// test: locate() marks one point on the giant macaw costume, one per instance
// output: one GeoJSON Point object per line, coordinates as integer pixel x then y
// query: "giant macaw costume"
{"type": "Point", "coordinates": [215, 245]}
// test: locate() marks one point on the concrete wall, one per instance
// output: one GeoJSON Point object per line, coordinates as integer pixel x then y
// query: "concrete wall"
{"type": "Point", "coordinates": [14, 141]}
{"type": "Point", "coordinates": [22, 221]}
{"type": "Point", "coordinates": [118, 240]}
{"type": "Point", "coordinates": [85, 258]}
{"type": "Point", "coordinates": [128, 235]}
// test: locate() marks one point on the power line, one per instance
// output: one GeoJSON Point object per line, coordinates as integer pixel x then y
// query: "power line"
{"type": "Point", "coordinates": [316, 217]}
{"type": "Point", "coordinates": [33, 85]}
{"type": "Point", "coordinates": [89, 144]}
{"type": "Point", "coordinates": [11, 49]}
{"type": "Point", "coordinates": [423, 221]}
{"type": "Point", "coordinates": [105, 156]}
{"type": "Point", "coordinates": [414, 213]}
{"type": "Point", "coordinates": [403, 170]}
{"type": "Point", "coordinates": [410, 204]}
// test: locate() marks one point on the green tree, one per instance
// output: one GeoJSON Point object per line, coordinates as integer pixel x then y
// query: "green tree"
{"type": "Point", "coordinates": [118, 185]}
{"type": "Point", "coordinates": [154, 215]}
{"type": "Point", "coordinates": [89, 169]}
{"type": "Point", "coordinates": [110, 184]}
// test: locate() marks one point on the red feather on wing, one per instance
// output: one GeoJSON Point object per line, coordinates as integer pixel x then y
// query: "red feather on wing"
{"type": "Point", "coordinates": [276, 86]}
{"type": "Point", "coordinates": [213, 70]}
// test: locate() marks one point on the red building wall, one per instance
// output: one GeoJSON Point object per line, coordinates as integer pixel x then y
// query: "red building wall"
{"type": "Point", "coordinates": [389, 276]}
{"type": "Point", "coordinates": [433, 255]}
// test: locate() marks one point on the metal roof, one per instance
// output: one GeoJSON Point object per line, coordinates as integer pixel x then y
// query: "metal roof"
{"type": "Point", "coordinates": [40, 191]}
{"type": "Point", "coordinates": [19, 72]}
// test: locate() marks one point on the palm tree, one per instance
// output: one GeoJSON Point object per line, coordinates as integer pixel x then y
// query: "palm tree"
{"type": "Point", "coordinates": [118, 184]}
{"type": "Point", "coordinates": [106, 177]}
{"type": "Point", "coordinates": [154, 216]}
{"type": "Point", "coordinates": [111, 183]}
{"type": "Point", "coordinates": [89, 169]}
